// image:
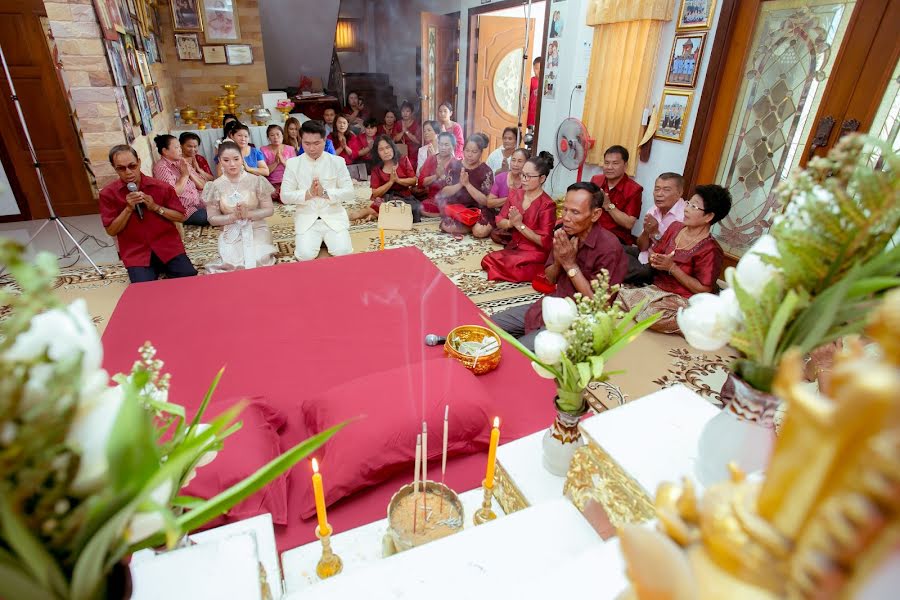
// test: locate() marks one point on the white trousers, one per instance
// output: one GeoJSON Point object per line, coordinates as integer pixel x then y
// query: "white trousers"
{"type": "Point", "coordinates": [310, 241]}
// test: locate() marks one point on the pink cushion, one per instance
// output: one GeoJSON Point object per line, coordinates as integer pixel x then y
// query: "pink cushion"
{"type": "Point", "coordinates": [244, 452]}
{"type": "Point", "coordinates": [383, 442]}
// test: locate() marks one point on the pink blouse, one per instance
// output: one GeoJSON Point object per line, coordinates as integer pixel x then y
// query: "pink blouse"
{"type": "Point", "coordinates": [277, 173]}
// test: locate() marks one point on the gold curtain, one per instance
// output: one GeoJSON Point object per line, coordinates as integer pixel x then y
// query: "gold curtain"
{"type": "Point", "coordinates": [623, 59]}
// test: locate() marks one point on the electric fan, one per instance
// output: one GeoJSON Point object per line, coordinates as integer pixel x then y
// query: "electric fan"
{"type": "Point", "coordinates": [572, 144]}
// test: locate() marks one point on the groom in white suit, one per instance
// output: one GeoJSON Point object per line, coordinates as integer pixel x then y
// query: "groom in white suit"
{"type": "Point", "coordinates": [319, 184]}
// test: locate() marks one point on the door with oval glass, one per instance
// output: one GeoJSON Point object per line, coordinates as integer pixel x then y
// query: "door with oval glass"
{"type": "Point", "coordinates": [797, 76]}
{"type": "Point", "coordinates": [498, 86]}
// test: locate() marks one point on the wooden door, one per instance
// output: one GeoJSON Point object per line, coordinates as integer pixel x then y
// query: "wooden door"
{"type": "Point", "coordinates": [790, 70]}
{"type": "Point", "coordinates": [440, 55]}
{"type": "Point", "coordinates": [47, 115]}
{"type": "Point", "coordinates": [498, 75]}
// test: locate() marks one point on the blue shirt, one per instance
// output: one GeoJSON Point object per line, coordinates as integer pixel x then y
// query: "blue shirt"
{"type": "Point", "coordinates": [254, 157]}
{"type": "Point", "coordinates": [329, 148]}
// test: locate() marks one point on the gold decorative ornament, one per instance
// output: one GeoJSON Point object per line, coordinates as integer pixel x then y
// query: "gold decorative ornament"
{"type": "Point", "coordinates": [188, 115]}
{"type": "Point", "coordinates": [478, 364]}
{"type": "Point", "coordinates": [486, 512]}
{"type": "Point", "coordinates": [508, 495]}
{"type": "Point", "coordinates": [330, 564]}
{"type": "Point", "coordinates": [827, 515]}
{"type": "Point", "coordinates": [412, 522]}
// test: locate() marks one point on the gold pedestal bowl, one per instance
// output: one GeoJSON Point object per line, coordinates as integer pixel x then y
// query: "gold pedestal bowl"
{"type": "Point", "coordinates": [473, 333]}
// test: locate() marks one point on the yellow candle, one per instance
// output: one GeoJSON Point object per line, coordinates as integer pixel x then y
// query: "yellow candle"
{"type": "Point", "coordinates": [492, 454]}
{"type": "Point", "coordinates": [320, 499]}
{"type": "Point", "coordinates": [381, 239]}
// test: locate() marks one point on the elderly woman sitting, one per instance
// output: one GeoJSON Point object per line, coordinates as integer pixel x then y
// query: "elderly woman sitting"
{"type": "Point", "coordinates": [687, 260]}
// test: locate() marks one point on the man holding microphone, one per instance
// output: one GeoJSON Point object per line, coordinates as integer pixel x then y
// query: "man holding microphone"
{"type": "Point", "coordinates": [141, 212]}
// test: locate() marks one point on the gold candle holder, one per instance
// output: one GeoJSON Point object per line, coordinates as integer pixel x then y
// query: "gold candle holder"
{"type": "Point", "coordinates": [486, 512]}
{"type": "Point", "coordinates": [330, 564]}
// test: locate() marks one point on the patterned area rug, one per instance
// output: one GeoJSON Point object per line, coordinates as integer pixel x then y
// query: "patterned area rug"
{"type": "Point", "coordinates": [652, 362]}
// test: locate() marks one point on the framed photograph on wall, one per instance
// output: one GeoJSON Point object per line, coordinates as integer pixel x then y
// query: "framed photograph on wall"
{"type": "Point", "coordinates": [684, 62]}
{"type": "Point", "coordinates": [674, 113]}
{"type": "Point", "coordinates": [119, 63]}
{"type": "Point", "coordinates": [146, 117]}
{"type": "Point", "coordinates": [105, 19]}
{"type": "Point", "coordinates": [159, 102]}
{"type": "Point", "coordinates": [133, 105]}
{"type": "Point", "coordinates": [214, 55]}
{"type": "Point", "coordinates": [239, 54]}
{"type": "Point", "coordinates": [146, 76]}
{"type": "Point", "coordinates": [221, 21]}
{"type": "Point", "coordinates": [696, 14]}
{"type": "Point", "coordinates": [187, 46]}
{"type": "Point", "coordinates": [186, 16]}
{"type": "Point", "coordinates": [152, 99]}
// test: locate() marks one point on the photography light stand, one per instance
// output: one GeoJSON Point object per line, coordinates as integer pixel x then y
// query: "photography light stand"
{"type": "Point", "coordinates": [61, 227]}
{"type": "Point", "coordinates": [527, 138]}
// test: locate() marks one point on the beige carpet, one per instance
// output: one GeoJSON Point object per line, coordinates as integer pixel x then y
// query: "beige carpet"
{"type": "Point", "coordinates": [651, 362]}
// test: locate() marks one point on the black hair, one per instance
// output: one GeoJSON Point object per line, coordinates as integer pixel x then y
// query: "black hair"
{"type": "Point", "coordinates": [121, 148]}
{"type": "Point", "coordinates": [716, 200]}
{"type": "Point", "coordinates": [592, 188]}
{"type": "Point", "coordinates": [523, 151]}
{"type": "Point", "coordinates": [407, 104]}
{"type": "Point", "coordinates": [162, 141]}
{"type": "Point", "coordinates": [538, 60]}
{"type": "Point", "coordinates": [449, 136]}
{"type": "Point", "coordinates": [435, 127]}
{"type": "Point", "coordinates": [312, 126]}
{"type": "Point", "coordinates": [543, 162]}
{"type": "Point", "coordinates": [370, 122]}
{"type": "Point", "coordinates": [479, 139]}
{"type": "Point", "coordinates": [227, 145]}
{"type": "Point", "coordinates": [185, 137]}
{"type": "Point", "coordinates": [239, 127]}
{"type": "Point", "coordinates": [386, 138]}
{"type": "Point", "coordinates": [358, 95]}
{"type": "Point", "coordinates": [448, 105]}
{"type": "Point", "coordinates": [228, 128]}
{"type": "Point", "coordinates": [620, 150]}
{"type": "Point", "coordinates": [392, 111]}
{"type": "Point", "coordinates": [227, 116]}
{"type": "Point", "coordinates": [669, 176]}
{"type": "Point", "coordinates": [512, 130]}
{"type": "Point", "coordinates": [271, 127]}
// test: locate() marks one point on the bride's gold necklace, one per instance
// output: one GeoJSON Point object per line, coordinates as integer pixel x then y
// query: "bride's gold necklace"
{"type": "Point", "coordinates": [692, 242]}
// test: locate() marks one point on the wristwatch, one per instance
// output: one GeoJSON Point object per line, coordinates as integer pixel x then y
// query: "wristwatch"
{"type": "Point", "coordinates": [572, 272]}
{"type": "Point", "coordinates": [161, 211]}
{"type": "Point", "coordinates": [522, 227]}
{"type": "Point", "coordinates": [611, 208]}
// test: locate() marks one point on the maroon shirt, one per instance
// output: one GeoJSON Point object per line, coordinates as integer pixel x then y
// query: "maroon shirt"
{"type": "Point", "coordinates": [626, 196]}
{"type": "Point", "coordinates": [703, 262]}
{"type": "Point", "coordinates": [154, 234]}
{"type": "Point", "coordinates": [599, 250]}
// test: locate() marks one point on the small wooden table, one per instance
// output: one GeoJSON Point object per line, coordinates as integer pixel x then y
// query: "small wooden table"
{"type": "Point", "coordinates": [314, 106]}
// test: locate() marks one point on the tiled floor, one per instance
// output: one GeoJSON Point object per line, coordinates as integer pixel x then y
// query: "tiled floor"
{"type": "Point", "coordinates": [87, 230]}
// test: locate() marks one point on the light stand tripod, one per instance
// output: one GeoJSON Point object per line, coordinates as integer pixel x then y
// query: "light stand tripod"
{"type": "Point", "coordinates": [528, 136]}
{"type": "Point", "coordinates": [61, 227]}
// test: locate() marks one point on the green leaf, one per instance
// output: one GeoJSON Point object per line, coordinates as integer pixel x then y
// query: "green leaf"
{"type": "Point", "coordinates": [209, 392]}
{"type": "Point", "coordinates": [15, 584]}
{"type": "Point", "coordinates": [32, 555]}
{"type": "Point", "coordinates": [776, 328]}
{"type": "Point", "coordinates": [629, 336]}
{"type": "Point", "coordinates": [518, 346]}
{"type": "Point", "coordinates": [187, 501]}
{"type": "Point", "coordinates": [131, 450]}
{"type": "Point", "coordinates": [584, 374]}
{"type": "Point", "coordinates": [597, 365]}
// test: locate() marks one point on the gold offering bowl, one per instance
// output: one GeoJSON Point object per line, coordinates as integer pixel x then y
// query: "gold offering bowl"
{"type": "Point", "coordinates": [230, 88]}
{"type": "Point", "coordinates": [440, 520]}
{"type": "Point", "coordinates": [189, 115]}
{"type": "Point", "coordinates": [470, 333]}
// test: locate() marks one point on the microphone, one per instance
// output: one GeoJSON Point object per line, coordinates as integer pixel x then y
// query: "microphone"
{"type": "Point", "coordinates": [434, 340]}
{"type": "Point", "coordinates": [138, 208]}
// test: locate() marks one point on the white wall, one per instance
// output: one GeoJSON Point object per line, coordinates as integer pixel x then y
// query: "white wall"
{"type": "Point", "coordinates": [298, 36]}
{"type": "Point", "coordinates": [8, 204]}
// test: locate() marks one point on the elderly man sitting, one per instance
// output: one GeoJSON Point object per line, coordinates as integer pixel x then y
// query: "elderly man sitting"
{"type": "Point", "coordinates": [667, 209]}
{"type": "Point", "coordinates": [319, 184]}
{"type": "Point", "coordinates": [581, 248]}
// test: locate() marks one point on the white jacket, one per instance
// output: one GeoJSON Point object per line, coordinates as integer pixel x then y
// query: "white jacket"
{"type": "Point", "coordinates": [335, 179]}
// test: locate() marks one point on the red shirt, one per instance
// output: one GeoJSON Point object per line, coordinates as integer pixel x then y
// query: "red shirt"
{"type": "Point", "coordinates": [412, 148]}
{"type": "Point", "coordinates": [203, 164]}
{"type": "Point", "coordinates": [532, 102]}
{"type": "Point", "coordinates": [378, 177]}
{"type": "Point", "coordinates": [359, 142]}
{"type": "Point", "coordinates": [599, 250]}
{"type": "Point", "coordinates": [703, 262]}
{"type": "Point", "coordinates": [154, 233]}
{"type": "Point", "coordinates": [347, 154]}
{"type": "Point", "coordinates": [626, 196]}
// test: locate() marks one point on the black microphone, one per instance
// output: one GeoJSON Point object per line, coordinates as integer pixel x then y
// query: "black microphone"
{"type": "Point", "coordinates": [139, 207]}
{"type": "Point", "coordinates": [434, 340]}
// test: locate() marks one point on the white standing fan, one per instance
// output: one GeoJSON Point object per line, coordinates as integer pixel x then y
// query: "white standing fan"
{"type": "Point", "coordinates": [572, 144]}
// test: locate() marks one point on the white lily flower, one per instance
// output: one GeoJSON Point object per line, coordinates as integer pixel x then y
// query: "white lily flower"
{"type": "Point", "coordinates": [558, 313]}
{"type": "Point", "coordinates": [550, 346]}
{"type": "Point", "coordinates": [89, 436]}
{"type": "Point", "coordinates": [207, 457]}
{"type": "Point", "coordinates": [542, 371]}
{"type": "Point", "coordinates": [751, 273]}
{"type": "Point", "coordinates": [729, 298]}
{"type": "Point", "coordinates": [708, 322]}
{"type": "Point", "coordinates": [145, 524]}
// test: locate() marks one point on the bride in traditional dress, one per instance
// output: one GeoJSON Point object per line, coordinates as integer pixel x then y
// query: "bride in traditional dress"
{"type": "Point", "coordinates": [239, 202]}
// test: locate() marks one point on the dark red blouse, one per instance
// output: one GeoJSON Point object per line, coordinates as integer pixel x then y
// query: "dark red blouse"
{"type": "Point", "coordinates": [703, 261]}
{"type": "Point", "coordinates": [378, 177]}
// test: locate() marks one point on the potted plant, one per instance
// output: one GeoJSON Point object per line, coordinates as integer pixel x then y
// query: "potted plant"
{"type": "Point", "coordinates": [813, 279]}
{"type": "Point", "coordinates": [91, 472]}
{"type": "Point", "coordinates": [581, 335]}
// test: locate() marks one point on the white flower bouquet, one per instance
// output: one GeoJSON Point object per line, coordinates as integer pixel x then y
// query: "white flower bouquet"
{"type": "Point", "coordinates": [814, 278]}
{"type": "Point", "coordinates": [89, 472]}
{"type": "Point", "coordinates": [581, 336]}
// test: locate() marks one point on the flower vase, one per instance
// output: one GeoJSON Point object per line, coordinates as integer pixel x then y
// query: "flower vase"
{"type": "Point", "coordinates": [285, 112]}
{"type": "Point", "coordinates": [561, 441]}
{"type": "Point", "coordinates": [118, 583]}
{"type": "Point", "coordinates": [743, 432]}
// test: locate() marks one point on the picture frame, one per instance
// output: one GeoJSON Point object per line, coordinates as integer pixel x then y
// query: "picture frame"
{"type": "Point", "coordinates": [186, 16]}
{"type": "Point", "coordinates": [146, 116]}
{"type": "Point", "coordinates": [187, 46]}
{"type": "Point", "coordinates": [127, 22]}
{"type": "Point", "coordinates": [696, 14]}
{"type": "Point", "coordinates": [221, 21]}
{"type": "Point", "coordinates": [684, 60]}
{"type": "Point", "coordinates": [239, 54]}
{"type": "Point", "coordinates": [105, 19]}
{"type": "Point", "coordinates": [214, 55]}
{"type": "Point", "coordinates": [675, 110]}
{"type": "Point", "coordinates": [118, 63]}
{"type": "Point", "coordinates": [146, 76]}
{"type": "Point", "coordinates": [152, 99]}
{"type": "Point", "coordinates": [131, 58]}
{"type": "Point", "coordinates": [159, 101]}
{"type": "Point", "coordinates": [133, 105]}
{"type": "Point", "coordinates": [124, 115]}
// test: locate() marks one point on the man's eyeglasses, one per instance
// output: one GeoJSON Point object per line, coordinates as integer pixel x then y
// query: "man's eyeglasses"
{"type": "Point", "coordinates": [126, 168]}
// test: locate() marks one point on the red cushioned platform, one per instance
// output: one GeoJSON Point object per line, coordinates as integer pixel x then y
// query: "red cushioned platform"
{"type": "Point", "coordinates": [294, 331]}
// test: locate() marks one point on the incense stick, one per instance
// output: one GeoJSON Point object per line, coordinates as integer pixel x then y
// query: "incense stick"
{"type": "Point", "coordinates": [444, 453]}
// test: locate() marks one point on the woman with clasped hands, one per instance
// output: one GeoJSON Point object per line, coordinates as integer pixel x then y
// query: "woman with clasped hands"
{"type": "Point", "coordinates": [687, 260]}
{"type": "Point", "coordinates": [239, 203]}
